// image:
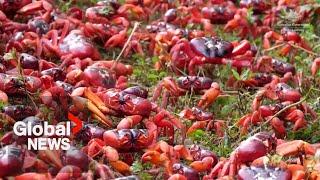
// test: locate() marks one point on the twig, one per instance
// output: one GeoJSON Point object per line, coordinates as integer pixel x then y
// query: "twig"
{"type": "Point", "coordinates": [230, 92]}
{"type": "Point", "coordinates": [21, 74]}
{"type": "Point", "coordinates": [274, 47]}
{"type": "Point", "coordinates": [316, 47]}
{"type": "Point", "coordinates": [306, 50]}
{"type": "Point", "coordinates": [126, 44]}
{"type": "Point", "coordinates": [293, 45]}
{"type": "Point", "coordinates": [257, 54]}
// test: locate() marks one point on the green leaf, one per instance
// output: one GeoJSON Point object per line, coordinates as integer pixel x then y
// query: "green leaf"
{"type": "Point", "coordinates": [226, 110]}
{"type": "Point", "coordinates": [245, 75]}
{"type": "Point", "coordinates": [155, 59]}
{"type": "Point", "coordinates": [162, 74]}
{"type": "Point", "coordinates": [236, 74]}
{"type": "Point", "coordinates": [197, 134]}
{"type": "Point", "coordinates": [137, 72]}
{"type": "Point", "coordinates": [145, 176]}
{"type": "Point", "coordinates": [2, 104]}
{"type": "Point", "coordinates": [10, 55]}
{"type": "Point", "coordinates": [250, 16]}
{"type": "Point", "coordinates": [66, 6]}
{"type": "Point", "coordinates": [136, 167]}
{"type": "Point", "coordinates": [152, 76]}
{"type": "Point", "coordinates": [106, 10]}
{"type": "Point", "coordinates": [122, 1]}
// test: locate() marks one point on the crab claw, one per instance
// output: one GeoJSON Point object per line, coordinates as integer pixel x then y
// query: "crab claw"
{"type": "Point", "coordinates": [158, 159]}
{"type": "Point", "coordinates": [129, 122]}
{"type": "Point", "coordinates": [294, 147]}
{"type": "Point", "coordinates": [196, 113]}
{"type": "Point", "coordinates": [210, 95]}
{"type": "Point", "coordinates": [204, 165]}
{"type": "Point", "coordinates": [270, 35]}
{"type": "Point", "coordinates": [36, 6]}
{"type": "Point", "coordinates": [183, 152]}
{"type": "Point", "coordinates": [315, 66]}
{"type": "Point", "coordinates": [51, 157]}
{"type": "Point", "coordinates": [69, 172]}
{"type": "Point", "coordinates": [32, 7]}
{"type": "Point", "coordinates": [297, 171]}
{"type": "Point", "coordinates": [277, 125]}
{"type": "Point", "coordinates": [153, 157]}
{"type": "Point", "coordinates": [197, 125]}
{"type": "Point", "coordinates": [32, 175]}
{"type": "Point", "coordinates": [264, 64]}
{"type": "Point", "coordinates": [164, 114]}
{"type": "Point", "coordinates": [244, 122]}
{"type": "Point", "coordinates": [95, 99]}
{"type": "Point", "coordinates": [121, 167]}
{"type": "Point", "coordinates": [83, 103]}
{"type": "Point", "coordinates": [161, 146]}
{"type": "Point", "coordinates": [169, 83]}
{"type": "Point", "coordinates": [95, 146]}
{"type": "Point", "coordinates": [3, 97]}
{"type": "Point", "coordinates": [242, 48]}
{"type": "Point", "coordinates": [232, 24]}
{"type": "Point", "coordinates": [177, 177]}
{"type": "Point", "coordinates": [297, 116]}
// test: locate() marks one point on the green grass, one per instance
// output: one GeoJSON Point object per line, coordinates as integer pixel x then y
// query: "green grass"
{"type": "Point", "coordinates": [228, 108]}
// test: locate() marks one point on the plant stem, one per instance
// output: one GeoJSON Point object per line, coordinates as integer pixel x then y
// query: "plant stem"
{"type": "Point", "coordinates": [306, 50]}
{"type": "Point", "coordinates": [21, 74]}
{"type": "Point", "coordinates": [272, 48]}
{"type": "Point", "coordinates": [136, 24]}
{"type": "Point", "coordinates": [284, 109]}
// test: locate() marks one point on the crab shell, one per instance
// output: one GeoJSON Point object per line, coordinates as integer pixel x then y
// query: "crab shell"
{"type": "Point", "coordinates": [211, 48]}
{"type": "Point", "coordinates": [185, 171]}
{"type": "Point", "coordinates": [99, 77]}
{"type": "Point", "coordinates": [128, 139]}
{"type": "Point", "coordinates": [76, 44]}
{"type": "Point", "coordinates": [10, 160]}
{"type": "Point", "coordinates": [258, 6]}
{"type": "Point", "coordinates": [271, 173]}
{"type": "Point", "coordinates": [195, 83]}
{"type": "Point", "coordinates": [126, 104]}
{"type": "Point", "coordinates": [219, 14]}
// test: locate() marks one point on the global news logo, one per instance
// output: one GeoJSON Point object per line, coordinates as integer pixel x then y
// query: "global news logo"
{"type": "Point", "coordinates": [48, 137]}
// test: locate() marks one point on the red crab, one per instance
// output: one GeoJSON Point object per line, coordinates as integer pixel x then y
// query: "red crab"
{"type": "Point", "coordinates": [213, 50]}
{"type": "Point", "coordinates": [130, 102]}
{"type": "Point", "coordinates": [102, 12]}
{"type": "Point", "coordinates": [276, 91]}
{"type": "Point", "coordinates": [241, 23]}
{"type": "Point", "coordinates": [315, 66]}
{"type": "Point", "coordinates": [268, 64]}
{"type": "Point", "coordinates": [219, 13]}
{"type": "Point", "coordinates": [203, 120]}
{"type": "Point", "coordinates": [196, 84]}
{"type": "Point", "coordinates": [11, 7]}
{"type": "Point", "coordinates": [204, 159]}
{"type": "Point", "coordinates": [296, 115]}
{"type": "Point", "coordinates": [258, 6]}
{"type": "Point", "coordinates": [249, 150]}
{"type": "Point", "coordinates": [164, 155]}
{"type": "Point", "coordinates": [287, 37]}
{"type": "Point", "coordinates": [44, 8]}
{"type": "Point", "coordinates": [13, 84]}
{"type": "Point", "coordinates": [75, 44]}
{"type": "Point", "coordinates": [264, 172]}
